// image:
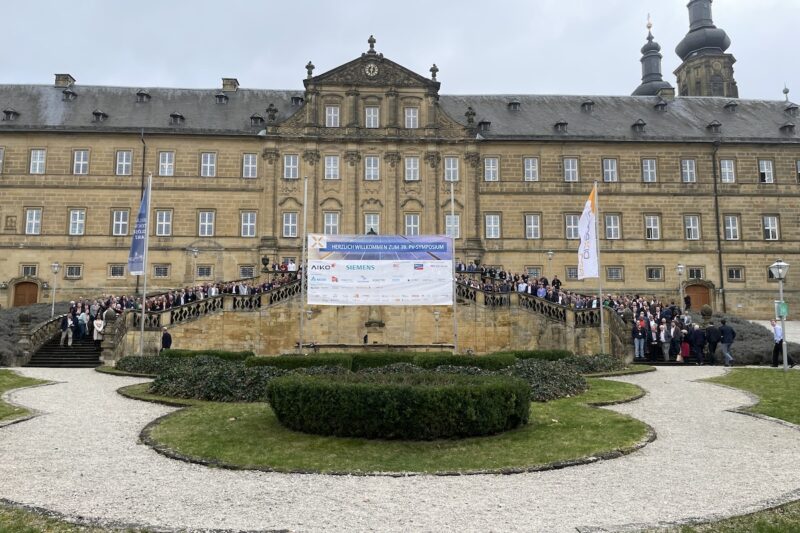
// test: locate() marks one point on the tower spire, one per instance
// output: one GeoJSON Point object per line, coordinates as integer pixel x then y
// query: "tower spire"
{"type": "Point", "coordinates": [652, 81]}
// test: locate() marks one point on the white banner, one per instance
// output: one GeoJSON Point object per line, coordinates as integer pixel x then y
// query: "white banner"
{"type": "Point", "coordinates": [588, 263]}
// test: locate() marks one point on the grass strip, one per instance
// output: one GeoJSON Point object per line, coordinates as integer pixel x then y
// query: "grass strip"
{"type": "Point", "coordinates": [777, 390]}
{"type": "Point", "coordinates": [10, 380]}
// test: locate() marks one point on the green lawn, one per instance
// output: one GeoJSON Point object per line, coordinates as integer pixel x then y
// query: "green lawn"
{"type": "Point", "coordinates": [779, 391]}
{"type": "Point", "coordinates": [10, 380]}
{"type": "Point", "coordinates": [783, 519]}
{"type": "Point", "coordinates": [16, 520]}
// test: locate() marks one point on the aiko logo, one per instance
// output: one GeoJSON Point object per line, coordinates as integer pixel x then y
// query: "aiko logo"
{"type": "Point", "coordinates": [321, 267]}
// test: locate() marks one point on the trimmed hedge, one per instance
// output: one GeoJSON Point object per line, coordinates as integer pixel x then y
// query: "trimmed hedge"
{"type": "Point", "coordinates": [421, 406]}
{"type": "Point", "coordinates": [290, 362]}
{"type": "Point", "coordinates": [496, 361]}
{"type": "Point", "coordinates": [544, 355]}
{"type": "Point", "coordinates": [548, 380]}
{"type": "Point", "coordinates": [379, 359]}
{"type": "Point", "coordinates": [221, 354]}
{"type": "Point", "coordinates": [595, 364]}
{"type": "Point", "coordinates": [150, 365]}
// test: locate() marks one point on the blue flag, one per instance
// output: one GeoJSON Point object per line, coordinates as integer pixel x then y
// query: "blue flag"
{"type": "Point", "coordinates": [136, 264]}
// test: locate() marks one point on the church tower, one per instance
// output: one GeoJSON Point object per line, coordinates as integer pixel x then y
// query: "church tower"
{"type": "Point", "coordinates": [652, 82]}
{"type": "Point", "coordinates": [706, 69]}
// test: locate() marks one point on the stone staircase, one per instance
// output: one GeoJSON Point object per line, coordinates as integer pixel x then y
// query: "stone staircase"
{"type": "Point", "coordinates": [82, 354]}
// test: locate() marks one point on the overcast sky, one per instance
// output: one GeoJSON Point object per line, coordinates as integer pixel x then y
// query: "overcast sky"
{"type": "Point", "coordinates": [481, 47]}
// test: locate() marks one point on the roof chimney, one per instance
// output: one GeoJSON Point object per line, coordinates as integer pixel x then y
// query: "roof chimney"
{"type": "Point", "coordinates": [64, 80]}
{"type": "Point", "coordinates": [230, 84]}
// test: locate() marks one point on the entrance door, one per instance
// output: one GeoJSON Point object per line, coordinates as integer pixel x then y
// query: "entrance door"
{"type": "Point", "coordinates": [700, 295]}
{"type": "Point", "coordinates": [25, 293]}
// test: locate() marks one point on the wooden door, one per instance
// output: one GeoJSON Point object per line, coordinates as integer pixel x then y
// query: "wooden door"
{"type": "Point", "coordinates": [25, 293]}
{"type": "Point", "coordinates": [700, 296]}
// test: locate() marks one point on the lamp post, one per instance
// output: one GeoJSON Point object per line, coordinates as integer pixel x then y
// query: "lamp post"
{"type": "Point", "coordinates": [679, 269]}
{"type": "Point", "coordinates": [55, 267]}
{"type": "Point", "coordinates": [550, 255]}
{"type": "Point", "coordinates": [195, 252]}
{"type": "Point", "coordinates": [436, 316]}
{"type": "Point", "coordinates": [779, 270]}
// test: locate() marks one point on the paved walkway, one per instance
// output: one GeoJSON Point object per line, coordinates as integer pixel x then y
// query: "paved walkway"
{"type": "Point", "coordinates": [81, 458]}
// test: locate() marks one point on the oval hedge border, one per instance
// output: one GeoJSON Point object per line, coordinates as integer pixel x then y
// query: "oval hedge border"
{"type": "Point", "coordinates": [423, 406]}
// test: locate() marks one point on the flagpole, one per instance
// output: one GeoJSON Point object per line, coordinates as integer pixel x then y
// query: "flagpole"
{"type": "Point", "coordinates": [303, 263]}
{"type": "Point", "coordinates": [453, 259]}
{"type": "Point", "coordinates": [146, 246]}
{"type": "Point", "coordinates": [599, 270]}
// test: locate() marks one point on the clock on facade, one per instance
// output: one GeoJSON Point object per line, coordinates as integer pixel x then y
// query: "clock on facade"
{"type": "Point", "coordinates": [371, 70]}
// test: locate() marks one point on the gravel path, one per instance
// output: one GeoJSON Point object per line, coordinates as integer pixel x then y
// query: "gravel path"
{"type": "Point", "coordinates": [81, 458]}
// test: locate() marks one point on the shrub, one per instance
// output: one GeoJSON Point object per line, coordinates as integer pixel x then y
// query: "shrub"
{"type": "Point", "coordinates": [221, 354]}
{"type": "Point", "coordinates": [421, 406]}
{"type": "Point", "coordinates": [149, 365]}
{"type": "Point", "coordinates": [378, 359]}
{"type": "Point", "coordinates": [290, 362]}
{"type": "Point", "coordinates": [548, 380]}
{"type": "Point", "coordinates": [595, 364]}
{"type": "Point", "coordinates": [545, 355]}
{"type": "Point", "coordinates": [396, 368]}
{"type": "Point", "coordinates": [465, 370]}
{"type": "Point", "coordinates": [488, 362]}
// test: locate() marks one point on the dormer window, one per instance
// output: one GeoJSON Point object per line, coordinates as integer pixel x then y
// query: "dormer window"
{"type": "Point", "coordinates": [221, 98]}
{"type": "Point", "coordinates": [561, 126]}
{"type": "Point", "coordinates": [514, 105]}
{"type": "Point", "coordinates": [142, 96]}
{"type": "Point", "coordinates": [791, 110]}
{"type": "Point", "coordinates": [714, 126]}
{"type": "Point", "coordinates": [10, 114]}
{"type": "Point", "coordinates": [788, 128]}
{"type": "Point", "coordinates": [484, 125]}
{"type": "Point", "coordinates": [176, 119]}
{"type": "Point", "coordinates": [638, 126]}
{"type": "Point", "coordinates": [297, 100]}
{"type": "Point", "coordinates": [256, 120]}
{"type": "Point", "coordinates": [99, 116]}
{"type": "Point", "coordinates": [69, 95]}
{"type": "Point", "coordinates": [661, 105]}
{"type": "Point", "coordinates": [731, 107]}
{"type": "Point", "coordinates": [587, 106]}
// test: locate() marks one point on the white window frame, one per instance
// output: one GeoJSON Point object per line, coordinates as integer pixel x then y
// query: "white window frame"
{"type": "Point", "coordinates": [411, 168]}
{"type": "Point", "coordinates": [766, 173]}
{"type": "Point", "coordinates": [571, 226]}
{"type": "Point", "coordinates": [166, 163]}
{"type": "Point", "coordinates": [291, 167]}
{"type": "Point", "coordinates": [491, 166]}
{"type": "Point", "coordinates": [247, 271]}
{"type": "Point", "coordinates": [411, 224]}
{"type": "Point", "coordinates": [652, 227]}
{"type": "Point", "coordinates": [163, 222]}
{"type": "Point", "coordinates": [411, 115]}
{"type": "Point", "coordinates": [450, 168]}
{"type": "Point", "coordinates": [204, 271]}
{"type": "Point", "coordinates": [249, 221]}
{"type": "Point", "coordinates": [372, 168]}
{"type": "Point", "coordinates": [120, 267]}
{"type": "Point", "coordinates": [491, 226]}
{"type": "Point", "coordinates": [691, 227]}
{"type": "Point", "coordinates": [571, 273]}
{"type": "Point", "coordinates": [770, 225]}
{"type": "Point", "coordinates": [161, 270]}
{"type": "Point", "coordinates": [612, 224]}
{"type": "Point", "coordinates": [533, 226]}
{"type": "Point", "coordinates": [208, 164]}
{"type": "Point", "coordinates": [571, 167]}
{"type": "Point", "coordinates": [33, 221]}
{"type": "Point", "coordinates": [734, 273]}
{"type": "Point", "coordinates": [124, 166]}
{"type": "Point", "coordinates": [654, 273]}
{"type": "Point", "coordinates": [331, 116]}
{"type": "Point", "coordinates": [80, 162]}
{"type": "Point", "coordinates": [205, 223]}
{"type": "Point", "coordinates": [452, 225]}
{"type": "Point", "coordinates": [289, 224]}
{"type": "Point", "coordinates": [250, 166]}
{"type": "Point", "coordinates": [530, 168]}
{"type": "Point", "coordinates": [699, 272]}
{"type": "Point", "coordinates": [649, 170]}
{"type": "Point", "coordinates": [727, 170]}
{"type": "Point", "coordinates": [618, 277]}
{"type": "Point", "coordinates": [120, 219]}
{"type": "Point", "coordinates": [2, 158]}
{"type": "Point", "coordinates": [688, 171]}
{"type": "Point", "coordinates": [73, 271]}
{"type": "Point", "coordinates": [372, 220]}
{"type": "Point", "coordinates": [330, 221]}
{"type": "Point", "coordinates": [77, 221]}
{"type": "Point", "coordinates": [610, 173]}
{"type": "Point", "coordinates": [372, 116]}
{"type": "Point", "coordinates": [796, 165]}
{"type": "Point", "coordinates": [38, 161]}
{"type": "Point", "coordinates": [331, 167]}
{"type": "Point", "coordinates": [731, 227]}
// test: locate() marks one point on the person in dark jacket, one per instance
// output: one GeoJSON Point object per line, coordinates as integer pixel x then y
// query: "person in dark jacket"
{"type": "Point", "coordinates": [728, 335]}
{"type": "Point", "coordinates": [639, 335]}
{"type": "Point", "coordinates": [713, 337]}
{"type": "Point", "coordinates": [697, 344]}
{"type": "Point", "coordinates": [166, 340]}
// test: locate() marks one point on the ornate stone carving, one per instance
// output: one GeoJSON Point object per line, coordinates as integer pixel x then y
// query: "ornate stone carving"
{"type": "Point", "coordinates": [434, 70]}
{"type": "Point", "coordinates": [310, 69]}
{"type": "Point", "coordinates": [272, 113]}
{"type": "Point", "coordinates": [433, 159]}
{"type": "Point", "coordinates": [331, 186]}
{"type": "Point", "coordinates": [270, 156]}
{"type": "Point", "coordinates": [288, 187]}
{"type": "Point", "coordinates": [352, 157]}
{"type": "Point", "coordinates": [311, 156]}
{"type": "Point", "coordinates": [473, 158]}
{"type": "Point", "coordinates": [470, 114]}
{"type": "Point", "coordinates": [392, 158]}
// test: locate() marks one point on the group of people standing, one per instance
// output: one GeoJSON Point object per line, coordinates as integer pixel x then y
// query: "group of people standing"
{"type": "Point", "coordinates": [84, 320]}
{"type": "Point", "coordinates": [677, 339]}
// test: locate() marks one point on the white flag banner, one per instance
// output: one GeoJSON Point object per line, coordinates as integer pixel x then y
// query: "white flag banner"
{"type": "Point", "coordinates": [588, 261]}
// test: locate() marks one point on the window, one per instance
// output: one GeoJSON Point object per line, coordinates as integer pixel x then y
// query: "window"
{"type": "Point", "coordinates": [30, 271]}
{"type": "Point", "coordinates": [492, 226]}
{"type": "Point", "coordinates": [3, 153]}
{"type": "Point", "coordinates": [166, 163]}
{"type": "Point", "coordinates": [80, 162]}
{"type": "Point", "coordinates": [77, 221]}
{"type": "Point", "coordinates": [248, 224]}
{"type": "Point", "coordinates": [73, 271]}
{"type": "Point", "coordinates": [731, 227]}
{"type": "Point", "coordinates": [412, 168]}
{"type": "Point", "coordinates": [372, 223]}
{"type": "Point", "coordinates": [770, 225]}
{"type": "Point", "coordinates": [571, 230]}
{"type": "Point", "coordinates": [572, 273]}
{"type": "Point", "coordinates": [610, 170]}
{"type": "Point", "coordinates": [490, 165]}
{"type": "Point", "coordinates": [204, 271]}
{"type": "Point", "coordinates": [533, 226]}
{"type": "Point", "coordinates": [160, 271]}
{"type": "Point", "coordinates": [412, 117]}
{"type": "Point", "coordinates": [649, 170]}
{"type": "Point", "coordinates": [290, 224]}
{"type": "Point", "coordinates": [612, 223]}
{"type": "Point", "coordinates": [119, 222]}
{"type": "Point", "coordinates": [372, 168]}
{"type": "Point", "coordinates": [570, 169]}
{"type": "Point", "coordinates": [371, 116]}
{"type": "Point", "coordinates": [116, 271]}
{"type": "Point", "coordinates": [727, 171]}
{"type": "Point", "coordinates": [796, 164]}
{"type": "Point", "coordinates": [534, 271]}
{"type": "Point", "coordinates": [249, 166]}
{"type": "Point", "coordinates": [654, 273]}
{"type": "Point", "coordinates": [452, 226]}
{"type": "Point", "coordinates": [290, 167]}
{"type": "Point", "coordinates": [765, 174]}
{"type": "Point", "coordinates": [331, 167]}
{"type": "Point", "coordinates": [691, 227]}
{"type": "Point", "coordinates": [696, 272]}
{"type": "Point", "coordinates": [331, 220]}
{"type": "Point", "coordinates": [735, 273]}
{"type": "Point", "coordinates": [163, 222]}
{"type": "Point", "coordinates": [247, 271]}
{"type": "Point", "coordinates": [33, 221]}
{"type": "Point", "coordinates": [332, 116]}
{"type": "Point", "coordinates": [124, 162]}
{"type": "Point", "coordinates": [450, 169]}
{"type": "Point", "coordinates": [530, 167]}
{"type": "Point", "coordinates": [412, 224]}
{"type": "Point", "coordinates": [688, 171]}
{"type": "Point", "coordinates": [615, 273]}
{"type": "Point", "coordinates": [38, 160]}
{"type": "Point", "coordinates": [652, 227]}
{"type": "Point", "coordinates": [208, 164]}
{"type": "Point", "coordinates": [205, 226]}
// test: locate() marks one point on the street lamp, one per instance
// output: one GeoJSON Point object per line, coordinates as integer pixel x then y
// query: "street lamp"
{"type": "Point", "coordinates": [550, 255]}
{"type": "Point", "coordinates": [55, 267]}
{"type": "Point", "coordinates": [195, 252]}
{"type": "Point", "coordinates": [679, 269]}
{"type": "Point", "coordinates": [779, 270]}
{"type": "Point", "coordinates": [436, 316]}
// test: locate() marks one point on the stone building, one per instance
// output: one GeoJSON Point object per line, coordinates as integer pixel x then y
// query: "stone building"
{"type": "Point", "coordinates": [701, 178]}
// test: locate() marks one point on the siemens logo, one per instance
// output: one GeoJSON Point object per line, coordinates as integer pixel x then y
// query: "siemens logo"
{"type": "Point", "coordinates": [360, 267]}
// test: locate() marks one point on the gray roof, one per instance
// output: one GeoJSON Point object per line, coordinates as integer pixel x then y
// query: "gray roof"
{"type": "Point", "coordinates": [43, 107]}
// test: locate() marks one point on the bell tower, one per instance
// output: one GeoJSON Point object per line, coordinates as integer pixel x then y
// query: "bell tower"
{"type": "Point", "coordinates": [706, 69]}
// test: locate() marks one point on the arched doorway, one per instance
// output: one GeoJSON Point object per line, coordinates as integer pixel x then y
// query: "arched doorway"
{"type": "Point", "coordinates": [25, 293]}
{"type": "Point", "coordinates": [700, 295]}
